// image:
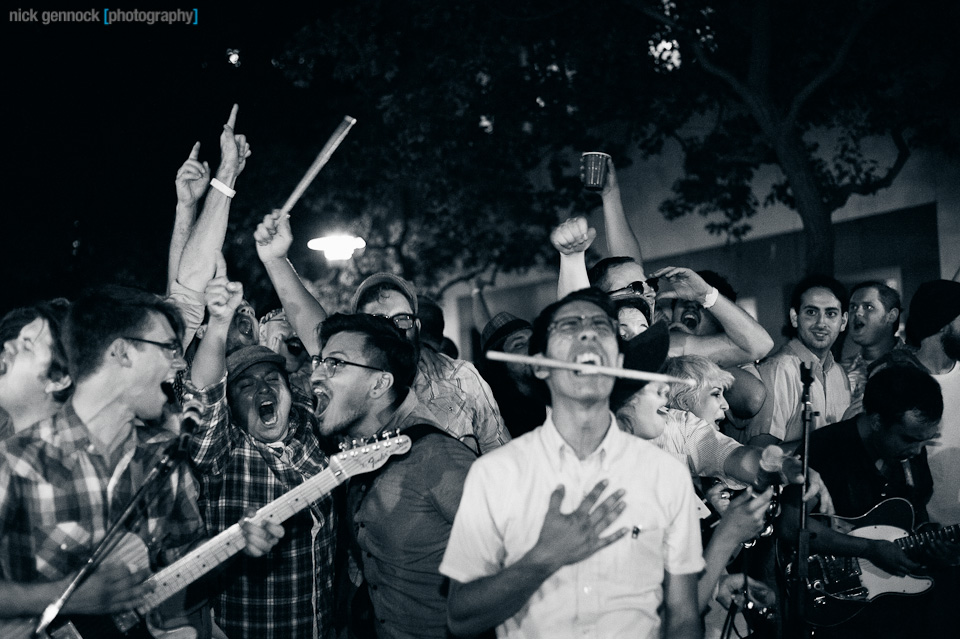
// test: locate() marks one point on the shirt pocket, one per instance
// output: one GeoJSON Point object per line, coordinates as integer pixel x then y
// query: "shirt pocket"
{"type": "Point", "coordinates": [62, 549]}
{"type": "Point", "coordinates": [638, 555]}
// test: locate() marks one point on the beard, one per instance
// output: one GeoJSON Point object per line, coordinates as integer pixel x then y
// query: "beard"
{"type": "Point", "coordinates": [951, 344]}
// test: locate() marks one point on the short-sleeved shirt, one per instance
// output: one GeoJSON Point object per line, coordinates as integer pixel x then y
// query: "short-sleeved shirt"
{"type": "Point", "coordinates": [781, 415]}
{"type": "Point", "coordinates": [616, 591]}
{"type": "Point", "coordinates": [460, 400]}
{"type": "Point", "coordinates": [59, 495]}
{"type": "Point", "coordinates": [692, 441]}
{"type": "Point", "coordinates": [401, 523]}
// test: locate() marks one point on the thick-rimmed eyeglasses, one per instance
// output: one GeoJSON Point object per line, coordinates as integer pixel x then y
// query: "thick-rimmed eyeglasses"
{"type": "Point", "coordinates": [602, 325]}
{"type": "Point", "coordinates": [331, 364]}
{"type": "Point", "coordinates": [403, 321]}
{"type": "Point", "coordinates": [174, 347]}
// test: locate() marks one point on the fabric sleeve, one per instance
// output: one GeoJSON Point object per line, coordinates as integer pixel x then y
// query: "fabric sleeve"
{"type": "Point", "coordinates": [783, 399]}
{"type": "Point", "coordinates": [212, 440]}
{"type": "Point", "coordinates": [708, 447]}
{"type": "Point", "coordinates": [475, 548]}
{"type": "Point", "coordinates": [192, 307]}
{"type": "Point", "coordinates": [446, 486]}
{"type": "Point", "coordinates": [488, 424]}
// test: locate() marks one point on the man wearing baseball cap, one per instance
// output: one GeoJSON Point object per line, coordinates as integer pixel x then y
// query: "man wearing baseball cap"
{"type": "Point", "coordinates": [255, 442]}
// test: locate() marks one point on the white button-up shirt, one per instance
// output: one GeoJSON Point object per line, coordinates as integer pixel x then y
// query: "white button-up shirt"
{"type": "Point", "coordinates": [616, 591]}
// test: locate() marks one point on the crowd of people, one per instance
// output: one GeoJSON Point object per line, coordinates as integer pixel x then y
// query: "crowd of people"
{"type": "Point", "coordinates": [728, 489]}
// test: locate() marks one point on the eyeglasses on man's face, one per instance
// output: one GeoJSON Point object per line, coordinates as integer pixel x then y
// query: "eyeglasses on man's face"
{"type": "Point", "coordinates": [602, 325]}
{"type": "Point", "coordinates": [403, 321]}
{"type": "Point", "coordinates": [173, 348]}
{"type": "Point", "coordinates": [331, 364]}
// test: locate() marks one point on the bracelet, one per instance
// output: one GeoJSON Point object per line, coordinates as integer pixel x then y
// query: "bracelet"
{"type": "Point", "coordinates": [223, 188]}
{"type": "Point", "coordinates": [711, 297]}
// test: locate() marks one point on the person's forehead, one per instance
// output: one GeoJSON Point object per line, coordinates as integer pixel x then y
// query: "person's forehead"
{"type": "Point", "coordinates": [622, 274]}
{"type": "Point", "coordinates": [522, 334]}
{"type": "Point", "coordinates": [390, 302]}
{"type": "Point", "coordinates": [819, 297]}
{"type": "Point", "coordinates": [345, 344]}
{"type": "Point", "coordinates": [37, 329]}
{"type": "Point", "coordinates": [866, 294]}
{"type": "Point", "coordinates": [578, 308]}
{"type": "Point", "coordinates": [914, 426]}
{"type": "Point", "coordinates": [159, 328]}
{"type": "Point", "coordinates": [258, 371]}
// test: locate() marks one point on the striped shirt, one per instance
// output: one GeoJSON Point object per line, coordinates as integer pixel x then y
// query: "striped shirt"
{"type": "Point", "coordinates": [287, 594]}
{"type": "Point", "coordinates": [58, 496]}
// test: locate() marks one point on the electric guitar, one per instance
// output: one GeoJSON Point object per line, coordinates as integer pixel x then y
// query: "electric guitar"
{"type": "Point", "coordinates": [200, 561]}
{"type": "Point", "coordinates": [838, 588]}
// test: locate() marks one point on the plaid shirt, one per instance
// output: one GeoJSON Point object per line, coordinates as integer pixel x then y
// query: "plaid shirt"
{"type": "Point", "coordinates": [287, 594]}
{"type": "Point", "coordinates": [58, 496]}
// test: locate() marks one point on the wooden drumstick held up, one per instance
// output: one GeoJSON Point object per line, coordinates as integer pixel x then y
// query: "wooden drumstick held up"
{"type": "Point", "coordinates": [625, 373]}
{"type": "Point", "coordinates": [322, 158]}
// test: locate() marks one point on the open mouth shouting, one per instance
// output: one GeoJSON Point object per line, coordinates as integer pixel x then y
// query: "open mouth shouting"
{"type": "Point", "coordinates": [267, 410]}
{"type": "Point", "coordinates": [592, 359]}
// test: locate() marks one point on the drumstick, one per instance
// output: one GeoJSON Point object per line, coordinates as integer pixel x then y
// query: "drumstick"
{"type": "Point", "coordinates": [626, 373]}
{"type": "Point", "coordinates": [322, 158]}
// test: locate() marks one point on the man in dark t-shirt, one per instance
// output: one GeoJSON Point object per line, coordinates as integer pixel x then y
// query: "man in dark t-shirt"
{"type": "Point", "coordinates": [865, 461]}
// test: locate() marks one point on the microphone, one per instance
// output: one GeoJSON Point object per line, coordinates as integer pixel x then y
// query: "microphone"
{"type": "Point", "coordinates": [771, 465]}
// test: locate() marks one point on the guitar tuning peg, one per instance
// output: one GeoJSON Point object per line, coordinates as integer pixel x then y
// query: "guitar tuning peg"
{"type": "Point", "coordinates": [342, 446]}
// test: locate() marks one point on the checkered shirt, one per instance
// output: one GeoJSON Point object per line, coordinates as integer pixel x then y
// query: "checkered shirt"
{"type": "Point", "coordinates": [58, 496]}
{"type": "Point", "coordinates": [288, 594]}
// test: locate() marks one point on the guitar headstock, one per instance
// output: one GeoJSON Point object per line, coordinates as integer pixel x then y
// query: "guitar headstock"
{"type": "Point", "coordinates": [363, 456]}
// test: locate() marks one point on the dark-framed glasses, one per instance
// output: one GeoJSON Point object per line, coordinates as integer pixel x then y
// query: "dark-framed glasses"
{"type": "Point", "coordinates": [602, 325]}
{"type": "Point", "coordinates": [173, 347]}
{"type": "Point", "coordinates": [403, 321]}
{"type": "Point", "coordinates": [331, 364]}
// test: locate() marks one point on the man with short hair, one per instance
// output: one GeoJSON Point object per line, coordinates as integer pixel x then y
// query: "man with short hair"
{"type": "Point", "coordinates": [400, 515]}
{"type": "Point", "coordinates": [254, 443]}
{"type": "Point", "coordinates": [34, 381]}
{"type": "Point", "coordinates": [67, 478]}
{"type": "Point", "coordinates": [817, 317]}
{"type": "Point", "coordinates": [517, 561]}
{"type": "Point", "coordinates": [874, 321]}
{"type": "Point", "coordinates": [865, 461]}
{"type": "Point", "coordinates": [451, 389]}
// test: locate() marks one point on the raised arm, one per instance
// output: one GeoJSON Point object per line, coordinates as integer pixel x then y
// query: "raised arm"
{"type": "Point", "coordinates": [193, 177]}
{"type": "Point", "coordinates": [304, 311]}
{"type": "Point", "coordinates": [743, 339]}
{"type": "Point", "coordinates": [621, 239]}
{"type": "Point", "coordinates": [223, 297]}
{"type": "Point", "coordinates": [198, 263]}
{"type": "Point", "coordinates": [572, 239]}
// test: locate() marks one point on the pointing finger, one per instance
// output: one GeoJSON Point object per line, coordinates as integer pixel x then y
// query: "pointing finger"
{"type": "Point", "coordinates": [556, 498]}
{"type": "Point", "coordinates": [195, 152]}
{"type": "Point", "coordinates": [232, 120]}
{"type": "Point", "coordinates": [588, 502]}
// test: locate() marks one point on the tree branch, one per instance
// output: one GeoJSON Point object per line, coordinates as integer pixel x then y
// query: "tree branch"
{"type": "Point", "coordinates": [834, 67]}
{"type": "Point", "coordinates": [869, 187]}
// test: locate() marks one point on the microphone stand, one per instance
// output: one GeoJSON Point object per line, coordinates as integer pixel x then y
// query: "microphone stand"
{"type": "Point", "coordinates": [174, 454]}
{"type": "Point", "coordinates": [803, 533]}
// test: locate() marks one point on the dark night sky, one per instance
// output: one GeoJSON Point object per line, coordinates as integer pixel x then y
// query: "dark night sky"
{"type": "Point", "coordinates": [100, 118]}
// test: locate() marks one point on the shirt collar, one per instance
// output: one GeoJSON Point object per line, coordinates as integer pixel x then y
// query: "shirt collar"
{"type": "Point", "coordinates": [559, 451]}
{"type": "Point", "coordinates": [807, 356]}
{"type": "Point", "coordinates": [410, 412]}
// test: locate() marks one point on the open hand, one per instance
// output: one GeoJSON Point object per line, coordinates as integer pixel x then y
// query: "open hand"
{"type": "Point", "coordinates": [110, 588]}
{"type": "Point", "coordinates": [567, 539]}
{"type": "Point", "coordinates": [193, 177]}
{"type": "Point", "coordinates": [684, 284]}
{"type": "Point", "coordinates": [890, 558]}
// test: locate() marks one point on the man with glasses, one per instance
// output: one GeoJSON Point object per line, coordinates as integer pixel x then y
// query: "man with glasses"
{"type": "Point", "coordinates": [66, 479]}
{"type": "Point", "coordinates": [576, 528]}
{"type": "Point", "coordinates": [255, 442]}
{"type": "Point", "coordinates": [401, 515]}
{"type": "Point", "coordinates": [452, 389]}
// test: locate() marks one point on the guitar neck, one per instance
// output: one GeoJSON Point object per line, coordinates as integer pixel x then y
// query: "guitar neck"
{"type": "Point", "coordinates": [212, 553]}
{"type": "Point", "coordinates": [914, 542]}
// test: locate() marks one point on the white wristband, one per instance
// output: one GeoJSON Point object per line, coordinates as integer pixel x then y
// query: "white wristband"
{"type": "Point", "coordinates": [223, 188]}
{"type": "Point", "coordinates": [711, 297]}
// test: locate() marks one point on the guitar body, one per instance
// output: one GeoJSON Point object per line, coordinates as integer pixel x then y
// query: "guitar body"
{"type": "Point", "coordinates": [840, 587]}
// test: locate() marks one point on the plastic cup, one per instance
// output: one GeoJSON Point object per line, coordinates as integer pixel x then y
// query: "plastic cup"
{"type": "Point", "coordinates": [593, 170]}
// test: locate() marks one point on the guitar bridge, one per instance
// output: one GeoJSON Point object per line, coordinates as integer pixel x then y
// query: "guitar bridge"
{"type": "Point", "coordinates": [838, 577]}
